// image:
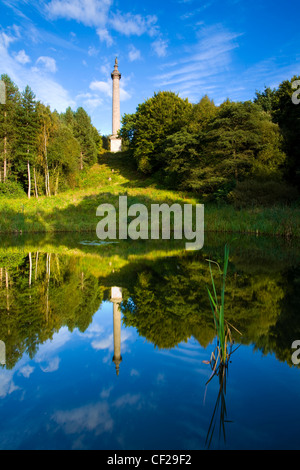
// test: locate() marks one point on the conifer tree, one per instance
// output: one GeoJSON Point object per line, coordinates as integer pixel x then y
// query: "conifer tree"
{"type": "Point", "coordinates": [7, 126]}
{"type": "Point", "coordinates": [84, 133]}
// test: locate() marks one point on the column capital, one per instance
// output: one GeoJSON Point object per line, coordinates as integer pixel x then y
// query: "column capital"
{"type": "Point", "coordinates": [116, 73]}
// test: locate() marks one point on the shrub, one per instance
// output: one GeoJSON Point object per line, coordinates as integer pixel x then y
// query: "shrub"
{"type": "Point", "coordinates": [11, 189]}
{"type": "Point", "coordinates": [262, 193]}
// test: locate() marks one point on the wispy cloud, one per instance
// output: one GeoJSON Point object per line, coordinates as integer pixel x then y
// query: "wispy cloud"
{"type": "Point", "coordinates": [134, 54]}
{"type": "Point", "coordinates": [22, 57]}
{"type": "Point", "coordinates": [89, 12]}
{"type": "Point", "coordinates": [136, 25]}
{"type": "Point", "coordinates": [203, 64]}
{"type": "Point", "coordinates": [160, 47]}
{"type": "Point", "coordinates": [99, 15]}
{"type": "Point", "coordinates": [48, 63]}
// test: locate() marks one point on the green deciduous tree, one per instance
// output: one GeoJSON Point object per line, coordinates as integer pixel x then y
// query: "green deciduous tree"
{"type": "Point", "coordinates": [286, 114]}
{"type": "Point", "coordinates": [160, 116]}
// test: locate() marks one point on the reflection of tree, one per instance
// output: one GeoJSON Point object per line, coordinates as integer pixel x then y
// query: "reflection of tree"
{"type": "Point", "coordinates": [164, 305]}
{"type": "Point", "coordinates": [165, 299]}
{"type": "Point", "coordinates": [168, 304]}
{"type": "Point", "coordinates": [41, 295]}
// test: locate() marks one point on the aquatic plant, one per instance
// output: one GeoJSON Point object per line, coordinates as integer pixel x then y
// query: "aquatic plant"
{"type": "Point", "coordinates": [221, 355]}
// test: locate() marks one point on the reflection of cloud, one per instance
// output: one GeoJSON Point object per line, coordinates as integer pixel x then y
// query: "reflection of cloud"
{"type": "Point", "coordinates": [52, 346]}
{"type": "Point", "coordinates": [127, 400]}
{"type": "Point", "coordinates": [7, 385]}
{"type": "Point", "coordinates": [106, 392]}
{"type": "Point", "coordinates": [106, 343]}
{"type": "Point", "coordinates": [134, 373]}
{"type": "Point", "coordinates": [95, 417]}
{"type": "Point", "coordinates": [53, 365]}
{"type": "Point", "coordinates": [26, 371]}
{"type": "Point", "coordinates": [160, 378]}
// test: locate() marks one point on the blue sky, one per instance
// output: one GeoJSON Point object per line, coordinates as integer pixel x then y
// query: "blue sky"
{"type": "Point", "coordinates": [65, 49]}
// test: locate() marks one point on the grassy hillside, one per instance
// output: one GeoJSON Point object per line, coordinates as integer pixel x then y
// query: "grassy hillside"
{"type": "Point", "coordinates": [75, 211]}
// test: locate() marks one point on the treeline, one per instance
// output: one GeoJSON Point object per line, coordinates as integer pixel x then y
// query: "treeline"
{"type": "Point", "coordinates": [245, 152]}
{"type": "Point", "coordinates": [42, 152]}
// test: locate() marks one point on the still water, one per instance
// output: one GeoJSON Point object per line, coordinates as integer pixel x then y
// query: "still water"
{"type": "Point", "coordinates": [104, 346]}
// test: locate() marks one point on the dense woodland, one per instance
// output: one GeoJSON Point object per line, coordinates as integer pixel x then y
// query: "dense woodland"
{"type": "Point", "coordinates": [246, 153]}
{"type": "Point", "coordinates": [241, 152]}
{"type": "Point", "coordinates": [42, 152]}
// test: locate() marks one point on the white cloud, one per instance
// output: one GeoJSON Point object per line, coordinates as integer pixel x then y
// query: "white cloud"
{"type": "Point", "coordinates": [102, 87]}
{"type": "Point", "coordinates": [89, 12]}
{"type": "Point", "coordinates": [134, 54]}
{"type": "Point", "coordinates": [204, 66]}
{"type": "Point", "coordinates": [97, 14]}
{"type": "Point", "coordinates": [92, 52]}
{"type": "Point", "coordinates": [46, 89]}
{"type": "Point", "coordinates": [105, 88]}
{"type": "Point", "coordinates": [22, 57]}
{"type": "Point", "coordinates": [137, 25]}
{"type": "Point", "coordinates": [104, 36]}
{"type": "Point", "coordinates": [160, 47]}
{"type": "Point", "coordinates": [48, 62]}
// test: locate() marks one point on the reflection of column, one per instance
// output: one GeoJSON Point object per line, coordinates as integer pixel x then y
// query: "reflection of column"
{"type": "Point", "coordinates": [2, 354]}
{"type": "Point", "coordinates": [116, 298]}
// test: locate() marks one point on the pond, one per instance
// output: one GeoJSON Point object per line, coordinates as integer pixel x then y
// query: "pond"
{"type": "Point", "coordinates": [106, 346]}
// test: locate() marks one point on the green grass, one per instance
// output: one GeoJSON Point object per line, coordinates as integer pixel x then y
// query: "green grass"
{"type": "Point", "coordinates": [75, 211]}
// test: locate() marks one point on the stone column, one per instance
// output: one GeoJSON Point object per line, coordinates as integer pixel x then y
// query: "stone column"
{"type": "Point", "coordinates": [115, 141]}
{"type": "Point", "coordinates": [2, 92]}
{"type": "Point", "coordinates": [116, 298]}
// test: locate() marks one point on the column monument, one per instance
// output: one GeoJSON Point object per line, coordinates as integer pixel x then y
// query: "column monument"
{"type": "Point", "coordinates": [115, 141]}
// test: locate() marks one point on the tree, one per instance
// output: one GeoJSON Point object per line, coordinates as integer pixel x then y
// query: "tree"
{"type": "Point", "coordinates": [84, 133]}
{"type": "Point", "coordinates": [155, 119]}
{"type": "Point", "coordinates": [63, 154]}
{"type": "Point", "coordinates": [202, 113]}
{"type": "Point", "coordinates": [48, 126]}
{"type": "Point", "coordinates": [240, 141]}
{"type": "Point", "coordinates": [7, 125]}
{"type": "Point", "coordinates": [287, 115]}
{"type": "Point", "coordinates": [27, 134]}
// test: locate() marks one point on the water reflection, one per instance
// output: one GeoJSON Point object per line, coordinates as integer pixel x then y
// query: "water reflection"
{"type": "Point", "coordinates": [138, 328]}
{"type": "Point", "coordinates": [116, 299]}
{"type": "Point", "coordinates": [219, 415]}
{"type": "Point", "coordinates": [165, 299]}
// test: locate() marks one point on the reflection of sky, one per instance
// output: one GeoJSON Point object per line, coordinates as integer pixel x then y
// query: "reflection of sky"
{"type": "Point", "coordinates": [69, 397]}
